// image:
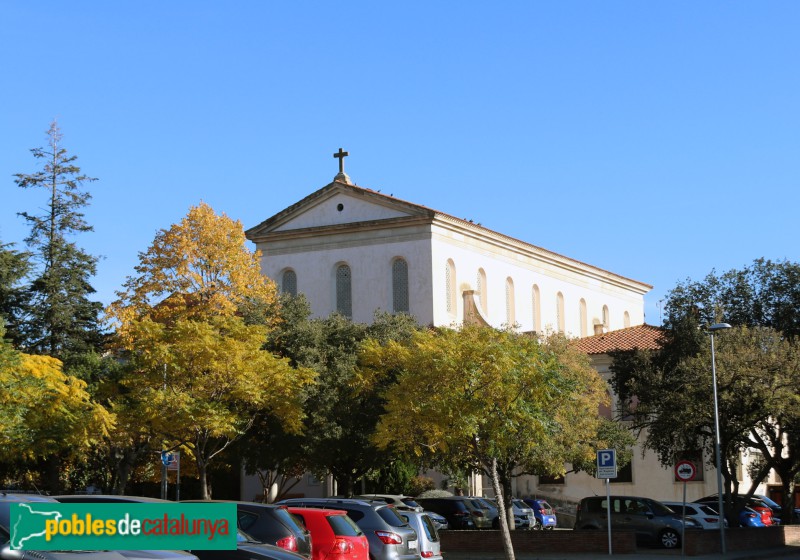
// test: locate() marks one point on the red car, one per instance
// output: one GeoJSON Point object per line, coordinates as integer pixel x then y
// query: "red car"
{"type": "Point", "coordinates": [334, 536]}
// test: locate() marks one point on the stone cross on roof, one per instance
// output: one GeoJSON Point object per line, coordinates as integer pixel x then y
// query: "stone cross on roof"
{"type": "Point", "coordinates": [342, 176]}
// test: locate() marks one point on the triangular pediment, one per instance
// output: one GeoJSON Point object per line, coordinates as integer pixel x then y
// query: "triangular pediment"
{"type": "Point", "coordinates": [338, 204]}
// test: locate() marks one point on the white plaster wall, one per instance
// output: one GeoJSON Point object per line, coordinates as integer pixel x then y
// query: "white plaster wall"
{"type": "Point", "coordinates": [326, 212]}
{"type": "Point", "coordinates": [371, 269]}
{"type": "Point", "coordinates": [470, 254]}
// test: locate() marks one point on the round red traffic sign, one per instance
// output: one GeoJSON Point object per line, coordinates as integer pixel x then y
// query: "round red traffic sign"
{"type": "Point", "coordinates": [685, 470]}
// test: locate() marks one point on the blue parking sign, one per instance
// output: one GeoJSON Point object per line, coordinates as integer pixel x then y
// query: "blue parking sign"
{"type": "Point", "coordinates": [607, 463]}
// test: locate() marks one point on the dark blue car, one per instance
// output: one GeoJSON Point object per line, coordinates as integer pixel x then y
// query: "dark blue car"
{"type": "Point", "coordinates": [545, 515]}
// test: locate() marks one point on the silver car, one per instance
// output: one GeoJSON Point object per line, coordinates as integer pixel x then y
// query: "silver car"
{"type": "Point", "coordinates": [427, 535]}
{"type": "Point", "coordinates": [706, 516]}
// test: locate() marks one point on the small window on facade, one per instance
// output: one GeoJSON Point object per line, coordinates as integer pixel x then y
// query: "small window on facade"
{"type": "Point", "coordinates": [627, 319]}
{"type": "Point", "coordinates": [510, 314]}
{"type": "Point", "coordinates": [537, 313]}
{"type": "Point", "coordinates": [344, 301]}
{"type": "Point", "coordinates": [550, 479]}
{"type": "Point", "coordinates": [560, 312]}
{"type": "Point", "coordinates": [450, 286]}
{"type": "Point", "coordinates": [605, 318]}
{"type": "Point", "coordinates": [400, 286]}
{"type": "Point", "coordinates": [583, 317]}
{"type": "Point", "coordinates": [624, 474]}
{"type": "Point", "coordinates": [483, 291]}
{"type": "Point", "coordinates": [289, 283]}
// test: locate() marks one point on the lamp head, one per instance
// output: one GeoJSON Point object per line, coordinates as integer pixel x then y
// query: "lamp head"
{"type": "Point", "coordinates": [719, 326]}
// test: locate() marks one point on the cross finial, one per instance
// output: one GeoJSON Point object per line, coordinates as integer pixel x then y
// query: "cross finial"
{"type": "Point", "coordinates": [341, 154]}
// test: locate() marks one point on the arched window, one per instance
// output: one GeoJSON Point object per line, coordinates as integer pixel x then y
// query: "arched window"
{"type": "Point", "coordinates": [483, 291]}
{"type": "Point", "coordinates": [537, 311]}
{"type": "Point", "coordinates": [583, 317]}
{"type": "Point", "coordinates": [510, 303]}
{"type": "Point", "coordinates": [344, 290]}
{"type": "Point", "coordinates": [289, 282]}
{"type": "Point", "coordinates": [400, 286]}
{"type": "Point", "coordinates": [606, 320]}
{"type": "Point", "coordinates": [560, 312]}
{"type": "Point", "coordinates": [450, 286]}
{"type": "Point", "coordinates": [627, 319]}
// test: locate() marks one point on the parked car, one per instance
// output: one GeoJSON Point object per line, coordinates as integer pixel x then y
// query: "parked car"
{"type": "Point", "coordinates": [427, 536]}
{"type": "Point", "coordinates": [651, 520]}
{"type": "Point", "coordinates": [742, 501]}
{"type": "Point", "coordinates": [453, 509]}
{"type": "Point", "coordinates": [525, 512]}
{"type": "Point", "coordinates": [521, 520]}
{"type": "Point", "coordinates": [543, 512]}
{"type": "Point", "coordinates": [5, 536]}
{"type": "Point", "coordinates": [388, 534]}
{"type": "Point", "coordinates": [247, 547]}
{"type": "Point", "coordinates": [491, 515]}
{"type": "Point", "coordinates": [777, 509]}
{"type": "Point", "coordinates": [334, 535]}
{"type": "Point", "coordinates": [748, 517]}
{"type": "Point", "coordinates": [397, 500]}
{"type": "Point", "coordinates": [704, 514]}
{"type": "Point", "coordinates": [439, 521]}
{"type": "Point", "coordinates": [271, 524]}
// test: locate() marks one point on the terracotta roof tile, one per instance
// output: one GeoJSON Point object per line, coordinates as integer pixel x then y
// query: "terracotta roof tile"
{"type": "Point", "coordinates": [642, 337]}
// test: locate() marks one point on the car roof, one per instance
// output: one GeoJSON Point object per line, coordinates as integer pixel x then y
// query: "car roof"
{"type": "Point", "coordinates": [317, 511]}
{"type": "Point", "coordinates": [107, 497]}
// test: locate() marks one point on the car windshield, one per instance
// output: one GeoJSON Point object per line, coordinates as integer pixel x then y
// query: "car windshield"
{"type": "Point", "coordinates": [410, 502]}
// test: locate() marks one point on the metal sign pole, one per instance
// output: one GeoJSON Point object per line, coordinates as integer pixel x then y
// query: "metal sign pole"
{"type": "Point", "coordinates": [608, 508]}
{"type": "Point", "coordinates": [683, 523]}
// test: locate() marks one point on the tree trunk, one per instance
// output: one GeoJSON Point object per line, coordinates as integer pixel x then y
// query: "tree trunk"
{"type": "Point", "coordinates": [202, 471]}
{"type": "Point", "coordinates": [508, 546]}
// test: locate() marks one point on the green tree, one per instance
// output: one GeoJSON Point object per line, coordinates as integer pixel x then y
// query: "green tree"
{"type": "Point", "coordinates": [60, 319]}
{"type": "Point", "coordinates": [340, 417]}
{"type": "Point", "coordinates": [765, 294]}
{"type": "Point", "coordinates": [14, 267]}
{"type": "Point", "coordinates": [197, 365]}
{"type": "Point", "coordinates": [668, 393]}
{"type": "Point", "coordinates": [502, 402]}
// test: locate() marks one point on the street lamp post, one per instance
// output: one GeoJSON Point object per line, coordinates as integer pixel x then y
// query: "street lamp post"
{"type": "Point", "coordinates": [717, 446]}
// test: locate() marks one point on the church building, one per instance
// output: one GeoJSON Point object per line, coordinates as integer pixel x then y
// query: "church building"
{"type": "Point", "coordinates": [355, 250]}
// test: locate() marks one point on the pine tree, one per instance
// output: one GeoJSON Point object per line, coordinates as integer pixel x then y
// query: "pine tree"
{"type": "Point", "coordinates": [14, 267]}
{"type": "Point", "coordinates": [60, 318]}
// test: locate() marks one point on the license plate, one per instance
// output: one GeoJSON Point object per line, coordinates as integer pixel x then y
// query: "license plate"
{"type": "Point", "coordinates": [412, 545]}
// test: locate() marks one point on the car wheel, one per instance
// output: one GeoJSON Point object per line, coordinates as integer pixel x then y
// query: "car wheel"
{"type": "Point", "coordinates": [669, 538]}
{"type": "Point", "coordinates": [537, 526]}
{"type": "Point", "coordinates": [548, 528]}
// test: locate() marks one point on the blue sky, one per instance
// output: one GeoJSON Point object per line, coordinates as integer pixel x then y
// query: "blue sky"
{"type": "Point", "coordinates": [658, 140]}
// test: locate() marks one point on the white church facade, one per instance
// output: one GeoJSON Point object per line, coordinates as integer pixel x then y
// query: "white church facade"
{"type": "Point", "coordinates": [356, 251]}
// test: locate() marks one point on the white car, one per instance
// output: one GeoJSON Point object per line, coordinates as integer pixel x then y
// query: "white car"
{"type": "Point", "coordinates": [706, 516]}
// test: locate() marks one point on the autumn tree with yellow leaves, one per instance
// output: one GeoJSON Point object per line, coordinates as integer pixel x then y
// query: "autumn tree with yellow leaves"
{"type": "Point", "coordinates": [193, 321]}
{"type": "Point", "coordinates": [44, 413]}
